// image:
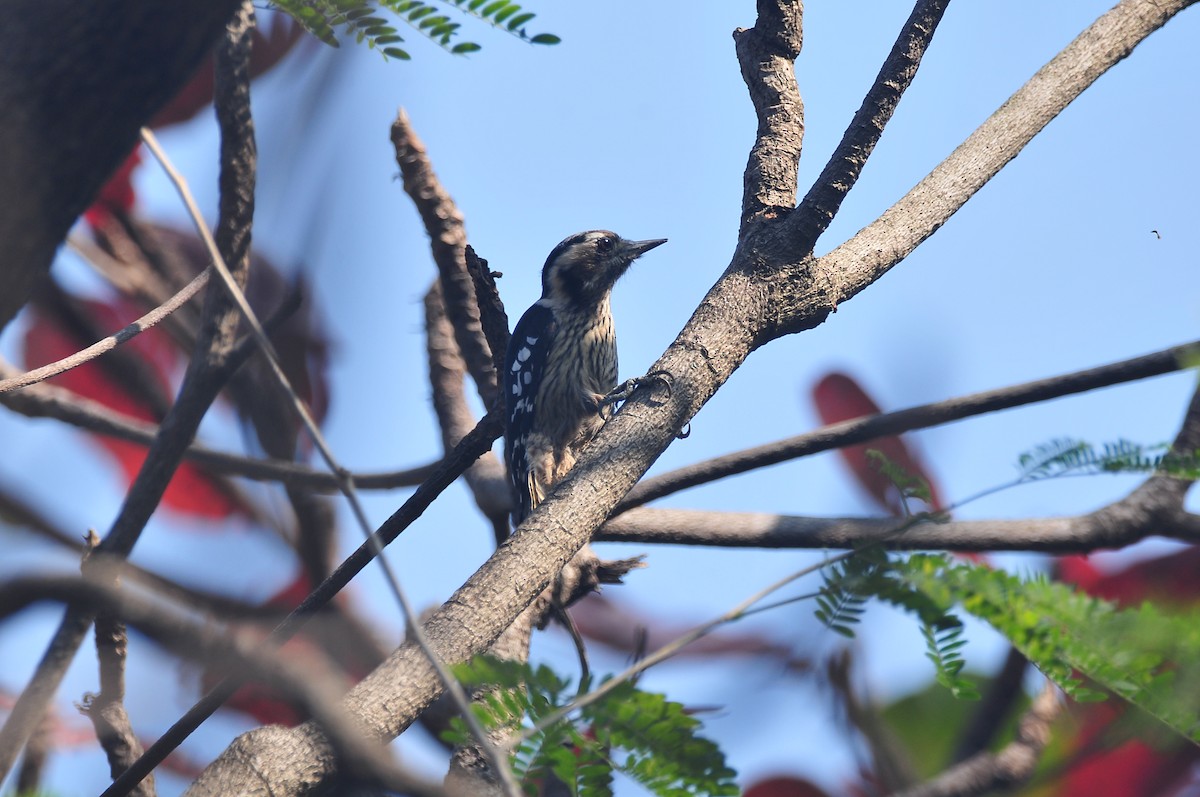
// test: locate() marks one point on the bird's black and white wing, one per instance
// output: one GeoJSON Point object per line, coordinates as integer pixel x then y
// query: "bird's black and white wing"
{"type": "Point", "coordinates": [524, 368]}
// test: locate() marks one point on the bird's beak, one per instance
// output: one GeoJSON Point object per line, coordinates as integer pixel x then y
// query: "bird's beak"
{"type": "Point", "coordinates": [635, 249]}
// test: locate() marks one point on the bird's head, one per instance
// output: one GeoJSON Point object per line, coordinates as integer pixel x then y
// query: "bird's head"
{"type": "Point", "coordinates": [582, 269]}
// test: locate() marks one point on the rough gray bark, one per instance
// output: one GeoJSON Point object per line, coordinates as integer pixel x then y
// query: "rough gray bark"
{"type": "Point", "coordinates": [772, 287]}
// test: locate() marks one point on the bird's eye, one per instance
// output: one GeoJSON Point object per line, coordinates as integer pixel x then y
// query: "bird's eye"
{"type": "Point", "coordinates": [604, 245]}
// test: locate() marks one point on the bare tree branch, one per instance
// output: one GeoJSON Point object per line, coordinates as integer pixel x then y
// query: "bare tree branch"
{"type": "Point", "coordinates": [49, 401]}
{"type": "Point", "coordinates": [769, 290]}
{"type": "Point", "coordinates": [109, 343]}
{"type": "Point", "coordinates": [867, 428]}
{"type": "Point", "coordinates": [448, 241]}
{"type": "Point", "coordinates": [1116, 525]}
{"type": "Point", "coordinates": [885, 242]}
{"type": "Point", "coordinates": [201, 383]}
{"type": "Point", "coordinates": [33, 759]}
{"type": "Point", "coordinates": [1010, 766]}
{"type": "Point", "coordinates": [471, 447]}
{"type": "Point", "coordinates": [825, 197]}
{"type": "Point", "coordinates": [106, 709]}
{"type": "Point", "coordinates": [486, 477]}
{"type": "Point", "coordinates": [1155, 508]}
{"type": "Point", "coordinates": [314, 689]}
{"type": "Point", "coordinates": [767, 53]}
{"type": "Point", "coordinates": [492, 317]}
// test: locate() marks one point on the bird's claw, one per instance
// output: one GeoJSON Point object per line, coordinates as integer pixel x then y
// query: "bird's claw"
{"type": "Point", "coordinates": [626, 389]}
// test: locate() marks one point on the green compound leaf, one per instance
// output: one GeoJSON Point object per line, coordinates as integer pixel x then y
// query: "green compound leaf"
{"type": "Point", "coordinates": [641, 734]}
{"type": "Point", "coordinates": [363, 20]}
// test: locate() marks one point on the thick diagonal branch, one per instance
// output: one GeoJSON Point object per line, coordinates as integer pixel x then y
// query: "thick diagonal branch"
{"type": "Point", "coordinates": [893, 236]}
{"type": "Point", "coordinates": [469, 449]}
{"type": "Point", "coordinates": [769, 289]}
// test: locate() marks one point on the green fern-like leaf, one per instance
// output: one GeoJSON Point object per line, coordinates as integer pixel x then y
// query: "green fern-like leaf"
{"type": "Point", "coordinates": [1052, 459]}
{"type": "Point", "coordinates": [871, 572]}
{"type": "Point", "coordinates": [364, 21]}
{"type": "Point", "coordinates": [838, 608]}
{"type": "Point", "coordinates": [943, 646]}
{"type": "Point", "coordinates": [503, 15]}
{"type": "Point", "coordinates": [910, 486]}
{"type": "Point", "coordinates": [659, 742]}
{"type": "Point", "coordinates": [640, 733]}
{"type": "Point", "coordinates": [1148, 657]}
{"type": "Point", "coordinates": [848, 585]}
{"type": "Point", "coordinates": [1074, 457]}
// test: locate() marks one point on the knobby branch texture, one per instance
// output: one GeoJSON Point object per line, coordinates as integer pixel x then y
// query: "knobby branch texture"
{"type": "Point", "coordinates": [772, 287]}
{"type": "Point", "coordinates": [825, 197]}
{"type": "Point", "coordinates": [448, 242]}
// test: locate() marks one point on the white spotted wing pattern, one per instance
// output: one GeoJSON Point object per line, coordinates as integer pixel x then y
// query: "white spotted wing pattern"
{"type": "Point", "coordinates": [524, 367]}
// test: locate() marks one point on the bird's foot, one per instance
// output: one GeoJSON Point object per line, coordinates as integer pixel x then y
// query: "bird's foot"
{"type": "Point", "coordinates": [626, 389]}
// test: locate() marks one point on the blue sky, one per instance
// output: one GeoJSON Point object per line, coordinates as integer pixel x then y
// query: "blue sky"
{"type": "Point", "coordinates": [639, 122]}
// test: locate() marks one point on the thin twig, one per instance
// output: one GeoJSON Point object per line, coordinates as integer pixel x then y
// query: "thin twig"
{"type": "Point", "coordinates": [50, 401]}
{"type": "Point", "coordinates": [479, 440]}
{"type": "Point", "coordinates": [668, 650]}
{"type": "Point", "coordinates": [106, 709]}
{"type": "Point", "coordinates": [1009, 767]}
{"type": "Point", "coordinates": [823, 200]}
{"type": "Point", "coordinates": [109, 343]}
{"type": "Point", "coordinates": [871, 427]}
{"type": "Point", "coordinates": [201, 384]}
{"type": "Point", "coordinates": [345, 480]}
{"type": "Point", "coordinates": [205, 643]}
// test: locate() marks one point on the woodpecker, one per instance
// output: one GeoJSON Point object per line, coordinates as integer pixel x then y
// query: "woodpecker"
{"type": "Point", "coordinates": [562, 362]}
